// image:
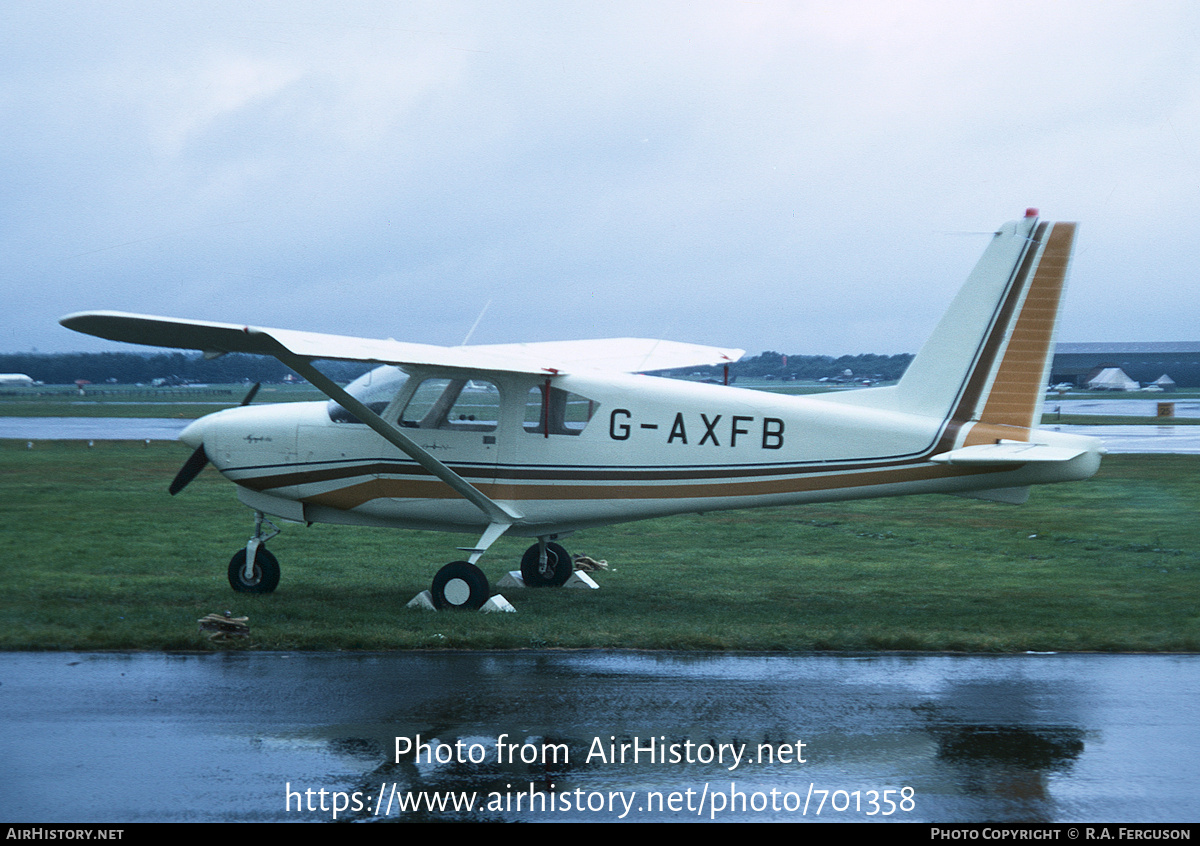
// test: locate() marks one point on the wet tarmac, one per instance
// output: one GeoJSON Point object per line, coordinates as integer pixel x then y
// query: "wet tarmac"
{"type": "Point", "coordinates": [540, 736]}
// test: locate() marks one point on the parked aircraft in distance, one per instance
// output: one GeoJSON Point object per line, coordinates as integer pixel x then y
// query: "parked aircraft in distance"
{"type": "Point", "coordinates": [544, 439]}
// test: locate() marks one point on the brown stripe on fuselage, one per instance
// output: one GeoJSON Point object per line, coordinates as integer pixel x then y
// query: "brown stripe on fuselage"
{"type": "Point", "coordinates": [355, 495]}
{"type": "Point", "coordinates": [599, 475]}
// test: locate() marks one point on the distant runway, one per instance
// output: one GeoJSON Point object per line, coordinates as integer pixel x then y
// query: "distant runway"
{"type": "Point", "coordinates": [91, 428]}
{"type": "Point", "coordinates": [1142, 407]}
{"type": "Point", "coordinates": [1178, 440]}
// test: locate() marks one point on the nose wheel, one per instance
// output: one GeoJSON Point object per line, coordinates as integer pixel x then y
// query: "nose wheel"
{"type": "Point", "coordinates": [263, 575]}
{"type": "Point", "coordinates": [253, 569]}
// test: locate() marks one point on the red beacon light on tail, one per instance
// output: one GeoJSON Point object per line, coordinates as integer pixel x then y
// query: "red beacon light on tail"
{"type": "Point", "coordinates": [1031, 212]}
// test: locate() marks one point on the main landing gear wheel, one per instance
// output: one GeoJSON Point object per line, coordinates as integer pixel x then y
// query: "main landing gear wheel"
{"type": "Point", "coordinates": [460, 585]}
{"type": "Point", "coordinates": [266, 572]}
{"type": "Point", "coordinates": [554, 573]}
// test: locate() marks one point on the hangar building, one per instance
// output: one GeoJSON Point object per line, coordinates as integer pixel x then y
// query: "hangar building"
{"type": "Point", "coordinates": [1076, 363]}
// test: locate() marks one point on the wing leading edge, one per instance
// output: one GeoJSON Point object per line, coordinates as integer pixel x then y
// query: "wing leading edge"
{"type": "Point", "coordinates": [626, 355]}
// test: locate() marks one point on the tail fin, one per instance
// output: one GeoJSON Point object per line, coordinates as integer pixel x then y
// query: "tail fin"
{"type": "Point", "coordinates": [988, 360]}
{"type": "Point", "coordinates": [1011, 393]}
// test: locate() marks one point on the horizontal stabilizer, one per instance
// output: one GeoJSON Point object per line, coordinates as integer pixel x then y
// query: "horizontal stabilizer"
{"type": "Point", "coordinates": [1007, 453]}
{"type": "Point", "coordinates": [624, 355]}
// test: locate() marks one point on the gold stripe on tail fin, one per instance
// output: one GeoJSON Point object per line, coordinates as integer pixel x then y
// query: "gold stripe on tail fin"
{"type": "Point", "coordinates": [1013, 402]}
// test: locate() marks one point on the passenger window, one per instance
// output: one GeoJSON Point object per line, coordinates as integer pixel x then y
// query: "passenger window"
{"type": "Point", "coordinates": [453, 404]}
{"type": "Point", "coordinates": [566, 413]}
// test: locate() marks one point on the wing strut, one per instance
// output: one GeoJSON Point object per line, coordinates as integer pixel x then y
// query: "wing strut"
{"type": "Point", "coordinates": [497, 513]}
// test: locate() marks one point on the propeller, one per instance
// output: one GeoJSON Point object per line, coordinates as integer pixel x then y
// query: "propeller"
{"type": "Point", "coordinates": [198, 460]}
{"type": "Point", "coordinates": [190, 470]}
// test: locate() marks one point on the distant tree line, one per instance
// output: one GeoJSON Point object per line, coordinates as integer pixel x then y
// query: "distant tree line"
{"type": "Point", "coordinates": [812, 367]}
{"type": "Point", "coordinates": [143, 368]}
{"type": "Point", "coordinates": [182, 368]}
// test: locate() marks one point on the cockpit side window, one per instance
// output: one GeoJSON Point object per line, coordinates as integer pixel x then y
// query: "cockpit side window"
{"type": "Point", "coordinates": [463, 405]}
{"type": "Point", "coordinates": [375, 390]}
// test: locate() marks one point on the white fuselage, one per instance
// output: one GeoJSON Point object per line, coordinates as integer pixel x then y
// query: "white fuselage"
{"type": "Point", "coordinates": [651, 447]}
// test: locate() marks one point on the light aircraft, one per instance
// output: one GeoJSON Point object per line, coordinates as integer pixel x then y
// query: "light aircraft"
{"type": "Point", "coordinates": [540, 440]}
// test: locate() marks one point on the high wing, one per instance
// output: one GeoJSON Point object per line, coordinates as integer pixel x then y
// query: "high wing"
{"type": "Point", "coordinates": [626, 355]}
{"type": "Point", "coordinates": [298, 350]}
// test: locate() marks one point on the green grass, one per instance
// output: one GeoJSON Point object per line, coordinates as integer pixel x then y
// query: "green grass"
{"type": "Point", "coordinates": [98, 556]}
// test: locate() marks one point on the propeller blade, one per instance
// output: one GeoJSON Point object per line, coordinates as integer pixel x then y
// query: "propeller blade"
{"type": "Point", "coordinates": [198, 460]}
{"type": "Point", "coordinates": [190, 470]}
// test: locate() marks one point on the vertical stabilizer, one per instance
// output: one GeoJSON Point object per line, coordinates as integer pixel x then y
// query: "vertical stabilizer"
{"type": "Point", "coordinates": [988, 359]}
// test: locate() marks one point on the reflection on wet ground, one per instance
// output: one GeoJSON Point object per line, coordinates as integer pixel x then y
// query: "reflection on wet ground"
{"type": "Point", "coordinates": [241, 736]}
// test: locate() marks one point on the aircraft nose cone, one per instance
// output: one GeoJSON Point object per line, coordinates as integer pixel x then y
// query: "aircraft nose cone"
{"type": "Point", "coordinates": [193, 434]}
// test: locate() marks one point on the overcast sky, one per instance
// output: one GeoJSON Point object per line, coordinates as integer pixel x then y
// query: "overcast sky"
{"type": "Point", "coordinates": [806, 177]}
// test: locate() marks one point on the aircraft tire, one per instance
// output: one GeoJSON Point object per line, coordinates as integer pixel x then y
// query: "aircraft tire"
{"type": "Point", "coordinates": [266, 572]}
{"type": "Point", "coordinates": [460, 585]}
{"type": "Point", "coordinates": [559, 567]}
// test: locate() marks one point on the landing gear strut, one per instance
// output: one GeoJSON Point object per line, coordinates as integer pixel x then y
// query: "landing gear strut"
{"type": "Point", "coordinates": [254, 569]}
{"type": "Point", "coordinates": [546, 565]}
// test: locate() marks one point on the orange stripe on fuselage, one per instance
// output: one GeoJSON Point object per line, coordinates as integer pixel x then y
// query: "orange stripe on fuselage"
{"type": "Point", "coordinates": [354, 495]}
